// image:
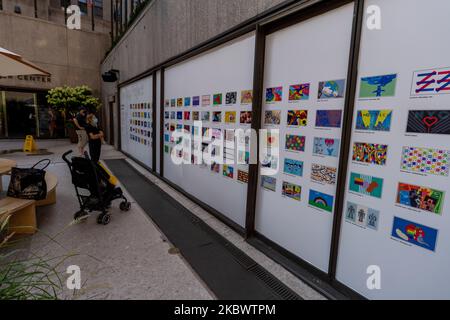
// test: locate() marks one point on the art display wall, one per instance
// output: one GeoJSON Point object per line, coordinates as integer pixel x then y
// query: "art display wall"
{"type": "Point", "coordinates": [395, 206]}
{"type": "Point", "coordinates": [136, 120]}
{"type": "Point", "coordinates": [396, 213]}
{"type": "Point", "coordinates": [304, 98]}
{"type": "Point", "coordinates": [215, 88]}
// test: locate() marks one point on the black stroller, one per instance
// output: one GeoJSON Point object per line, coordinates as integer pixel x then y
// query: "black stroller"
{"type": "Point", "coordinates": [101, 185]}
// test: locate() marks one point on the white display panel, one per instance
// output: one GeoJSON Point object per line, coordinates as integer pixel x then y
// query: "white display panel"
{"type": "Point", "coordinates": [308, 55]}
{"type": "Point", "coordinates": [226, 70]}
{"type": "Point", "coordinates": [158, 121]}
{"type": "Point", "coordinates": [136, 119]}
{"type": "Point", "coordinates": [404, 68]}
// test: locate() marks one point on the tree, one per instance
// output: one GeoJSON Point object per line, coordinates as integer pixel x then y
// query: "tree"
{"type": "Point", "coordinates": [69, 100]}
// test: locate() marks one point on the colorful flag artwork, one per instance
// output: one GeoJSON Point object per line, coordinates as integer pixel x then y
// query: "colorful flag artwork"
{"type": "Point", "coordinates": [272, 117]}
{"type": "Point", "coordinates": [293, 167]}
{"type": "Point", "coordinates": [323, 174]}
{"type": "Point", "coordinates": [378, 86]}
{"type": "Point", "coordinates": [205, 115]}
{"type": "Point", "coordinates": [245, 117]}
{"type": "Point", "coordinates": [374, 120]}
{"type": "Point", "coordinates": [291, 190]}
{"type": "Point", "coordinates": [326, 147]}
{"type": "Point", "coordinates": [195, 115]}
{"type": "Point", "coordinates": [371, 153]}
{"type": "Point", "coordinates": [242, 176]}
{"type": "Point", "coordinates": [274, 94]}
{"type": "Point", "coordinates": [429, 121]}
{"type": "Point", "coordinates": [426, 160]}
{"type": "Point", "coordinates": [217, 99]}
{"type": "Point", "coordinates": [196, 101]}
{"type": "Point", "coordinates": [297, 118]}
{"type": "Point", "coordinates": [299, 92]}
{"type": "Point", "coordinates": [431, 82]}
{"type": "Point", "coordinates": [206, 100]}
{"type": "Point", "coordinates": [422, 198]}
{"type": "Point", "coordinates": [217, 116]}
{"type": "Point", "coordinates": [321, 200]}
{"type": "Point", "coordinates": [295, 143]}
{"type": "Point", "coordinates": [231, 98]}
{"type": "Point", "coordinates": [331, 89]}
{"type": "Point", "coordinates": [268, 183]}
{"type": "Point", "coordinates": [230, 116]}
{"type": "Point", "coordinates": [328, 118]}
{"type": "Point", "coordinates": [246, 96]}
{"type": "Point", "coordinates": [228, 171]}
{"type": "Point", "coordinates": [367, 185]}
{"type": "Point", "coordinates": [414, 233]}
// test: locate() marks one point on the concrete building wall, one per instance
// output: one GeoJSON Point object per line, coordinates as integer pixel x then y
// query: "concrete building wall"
{"type": "Point", "coordinates": [51, 10]}
{"type": "Point", "coordinates": [167, 28]}
{"type": "Point", "coordinates": [73, 57]}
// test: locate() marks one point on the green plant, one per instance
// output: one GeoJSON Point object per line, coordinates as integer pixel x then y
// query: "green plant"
{"type": "Point", "coordinates": [33, 279]}
{"type": "Point", "coordinates": [70, 99]}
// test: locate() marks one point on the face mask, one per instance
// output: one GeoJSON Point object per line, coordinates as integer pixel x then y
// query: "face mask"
{"type": "Point", "coordinates": [95, 121]}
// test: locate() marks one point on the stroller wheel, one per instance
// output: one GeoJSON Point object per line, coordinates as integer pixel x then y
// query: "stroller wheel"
{"type": "Point", "coordinates": [104, 219]}
{"type": "Point", "coordinates": [80, 215]}
{"type": "Point", "coordinates": [125, 206]}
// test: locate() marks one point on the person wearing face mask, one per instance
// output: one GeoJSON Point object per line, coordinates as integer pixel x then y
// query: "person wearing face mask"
{"type": "Point", "coordinates": [95, 136]}
{"type": "Point", "coordinates": [94, 118]}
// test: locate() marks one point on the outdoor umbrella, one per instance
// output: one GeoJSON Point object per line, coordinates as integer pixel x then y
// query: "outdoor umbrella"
{"type": "Point", "coordinates": [12, 64]}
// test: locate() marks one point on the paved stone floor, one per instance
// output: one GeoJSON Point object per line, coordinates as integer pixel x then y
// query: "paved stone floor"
{"type": "Point", "coordinates": [129, 258]}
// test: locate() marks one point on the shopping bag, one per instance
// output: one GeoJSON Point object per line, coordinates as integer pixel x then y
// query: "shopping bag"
{"type": "Point", "coordinates": [28, 183]}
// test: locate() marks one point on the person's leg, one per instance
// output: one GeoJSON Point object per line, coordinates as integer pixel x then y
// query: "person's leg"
{"type": "Point", "coordinates": [94, 150]}
{"type": "Point", "coordinates": [80, 142]}
{"type": "Point", "coordinates": [84, 141]}
{"type": "Point", "coordinates": [98, 150]}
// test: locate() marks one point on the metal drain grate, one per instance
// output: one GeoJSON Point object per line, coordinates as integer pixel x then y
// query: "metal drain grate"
{"type": "Point", "coordinates": [278, 288]}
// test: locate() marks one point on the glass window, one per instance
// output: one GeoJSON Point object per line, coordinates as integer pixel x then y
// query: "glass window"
{"type": "Point", "coordinates": [21, 114]}
{"type": "Point", "coordinates": [83, 6]}
{"type": "Point", "coordinates": [98, 8]}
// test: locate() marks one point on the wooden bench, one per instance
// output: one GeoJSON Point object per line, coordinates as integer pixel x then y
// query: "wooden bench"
{"type": "Point", "coordinates": [52, 182]}
{"type": "Point", "coordinates": [23, 212]}
{"type": "Point", "coordinates": [22, 215]}
{"type": "Point", "coordinates": [5, 168]}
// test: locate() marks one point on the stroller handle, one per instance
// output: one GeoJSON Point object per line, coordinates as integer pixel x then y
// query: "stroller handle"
{"type": "Point", "coordinates": [64, 156]}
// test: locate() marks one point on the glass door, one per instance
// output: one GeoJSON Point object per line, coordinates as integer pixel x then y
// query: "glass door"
{"type": "Point", "coordinates": [21, 114]}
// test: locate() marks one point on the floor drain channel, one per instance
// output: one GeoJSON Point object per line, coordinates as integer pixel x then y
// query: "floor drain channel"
{"type": "Point", "coordinates": [278, 288]}
{"type": "Point", "coordinates": [273, 283]}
